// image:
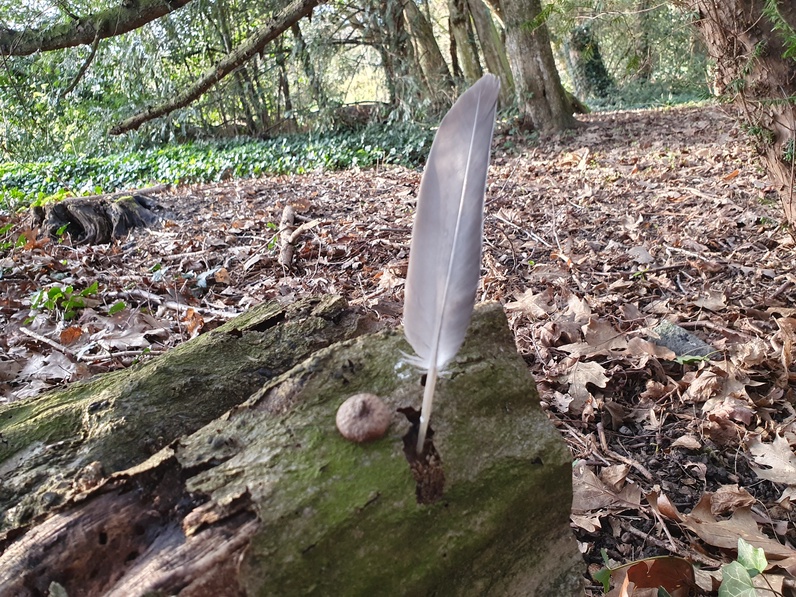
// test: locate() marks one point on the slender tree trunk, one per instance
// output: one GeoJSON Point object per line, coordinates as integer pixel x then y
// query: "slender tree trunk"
{"type": "Point", "coordinates": [465, 48]}
{"type": "Point", "coordinates": [284, 87]}
{"type": "Point", "coordinates": [747, 45]}
{"type": "Point", "coordinates": [644, 55]}
{"type": "Point", "coordinates": [542, 101]}
{"type": "Point", "coordinates": [434, 68]}
{"type": "Point", "coordinates": [494, 51]}
{"type": "Point", "coordinates": [249, 103]}
{"type": "Point", "coordinates": [395, 49]}
{"type": "Point", "coordinates": [309, 69]}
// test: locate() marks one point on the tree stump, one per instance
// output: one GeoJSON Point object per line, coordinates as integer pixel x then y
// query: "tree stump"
{"type": "Point", "coordinates": [97, 219]}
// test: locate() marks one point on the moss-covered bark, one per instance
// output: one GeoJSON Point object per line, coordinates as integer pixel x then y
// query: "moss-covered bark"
{"type": "Point", "coordinates": [269, 499]}
{"type": "Point", "coordinates": [124, 417]}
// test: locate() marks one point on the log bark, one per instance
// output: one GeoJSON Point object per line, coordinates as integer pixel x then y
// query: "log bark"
{"type": "Point", "coordinates": [269, 499]}
{"type": "Point", "coordinates": [122, 418]}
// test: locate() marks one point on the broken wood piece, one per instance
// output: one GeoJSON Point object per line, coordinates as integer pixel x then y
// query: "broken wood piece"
{"type": "Point", "coordinates": [269, 499]}
{"type": "Point", "coordinates": [286, 248]}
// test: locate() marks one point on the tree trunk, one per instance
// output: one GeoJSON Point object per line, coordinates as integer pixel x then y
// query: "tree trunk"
{"type": "Point", "coordinates": [461, 31]}
{"type": "Point", "coordinates": [589, 74]}
{"type": "Point", "coordinates": [269, 499]}
{"type": "Point", "coordinates": [248, 99]}
{"type": "Point", "coordinates": [747, 45]}
{"type": "Point", "coordinates": [305, 59]}
{"type": "Point", "coordinates": [494, 51]}
{"type": "Point", "coordinates": [387, 25]}
{"type": "Point", "coordinates": [288, 118]}
{"type": "Point", "coordinates": [643, 60]}
{"type": "Point", "coordinates": [542, 101]}
{"type": "Point", "coordinates": [433, 65]}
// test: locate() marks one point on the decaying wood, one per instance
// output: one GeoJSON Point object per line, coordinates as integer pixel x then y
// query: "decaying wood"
{"type": "Point", "coordinates": [269, 499]}
{"type": "Point", "coordinates": [121, 418]}
{"type": "Point", "coordinates": [286, 248]}
{"type": "Point", "coordinates": [97, 219]}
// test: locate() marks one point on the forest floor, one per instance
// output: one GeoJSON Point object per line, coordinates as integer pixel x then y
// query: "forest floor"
{"type": "Point", "coordinates": [591, 240]}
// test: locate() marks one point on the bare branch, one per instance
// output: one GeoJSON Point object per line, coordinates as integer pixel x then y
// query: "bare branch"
{"type": "Point", "coordinates": [82, 70]}
{"type": "Point", "coordinates": [282, 21]}
{"type": "Point", "coordinates": [120, 19]}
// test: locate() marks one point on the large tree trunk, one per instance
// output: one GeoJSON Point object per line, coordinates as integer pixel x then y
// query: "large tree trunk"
{"type": "Point", "coordinates": [494, 51]}
{"type": "Point", "coordinates": [543, 104]}
{"type": "Point", "coordinates": [748, 47]}
{"type": "Point", "coordinates": [269, 499]}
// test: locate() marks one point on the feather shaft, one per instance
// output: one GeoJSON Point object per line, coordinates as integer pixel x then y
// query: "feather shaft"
{"type": "Point", "coordinates": [445, 254]}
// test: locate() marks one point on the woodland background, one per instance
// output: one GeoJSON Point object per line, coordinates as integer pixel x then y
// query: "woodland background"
{"type": "Point", "coordinates": [671, 200]}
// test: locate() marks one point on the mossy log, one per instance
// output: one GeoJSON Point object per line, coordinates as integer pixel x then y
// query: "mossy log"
{"type": "Point", "coordinates": [122, 418]}
{"type": "Point", "coordinates": [269, 499]}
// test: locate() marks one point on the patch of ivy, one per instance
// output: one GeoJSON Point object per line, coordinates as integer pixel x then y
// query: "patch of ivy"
{"type": "Point", "coordinates": [24, 184]}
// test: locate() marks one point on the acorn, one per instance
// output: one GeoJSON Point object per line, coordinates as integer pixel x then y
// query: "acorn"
{"type": "Point", "coordinates": [363, 418]}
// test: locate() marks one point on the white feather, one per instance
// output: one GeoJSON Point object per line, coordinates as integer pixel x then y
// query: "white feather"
{"type": "Point", "coordinates": [445, 255]}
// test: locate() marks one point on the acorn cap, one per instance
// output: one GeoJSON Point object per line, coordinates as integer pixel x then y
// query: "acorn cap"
{"type": "Point", "coordinates": [363, 418]}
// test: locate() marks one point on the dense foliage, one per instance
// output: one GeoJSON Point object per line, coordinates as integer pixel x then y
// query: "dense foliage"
{"type": "Point", "coordinates": [25, 183]}
{"type": "Point", "coordinates": [50, 103]}
{"type": "Point", "coordinates": [650, 50]}
{"type": "Point", "coordinates": [56, 107]}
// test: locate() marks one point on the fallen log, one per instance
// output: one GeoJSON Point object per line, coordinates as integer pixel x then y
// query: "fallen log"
{"type": "Point", "coordinates": [269, 499]}
{"type": "Point", "coordinates": [122, 418]}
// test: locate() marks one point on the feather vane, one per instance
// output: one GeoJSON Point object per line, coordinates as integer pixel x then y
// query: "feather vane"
{"type": "Point", "coordinates": [445, 253]}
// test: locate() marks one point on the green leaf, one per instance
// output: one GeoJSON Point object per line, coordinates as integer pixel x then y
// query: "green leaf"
{"type": "Point", "coordinates": [603, 575]}
{"type": "Point", "coordinates": [91, 290]}
{"type": "Point", "coordinates": [116, 307]}
{"type": "Point", "coordinates": [56, 292]}
{"type": "Point", "coordinates": [752, 558]}
{"type": "Point", "coordinates": [736, 582]}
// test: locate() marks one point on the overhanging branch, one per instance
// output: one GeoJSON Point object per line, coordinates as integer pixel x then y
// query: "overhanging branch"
{"type": "Point", "coordinates": [97, 26]}
{"type": "Point", "coordinates": [282, 21]}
